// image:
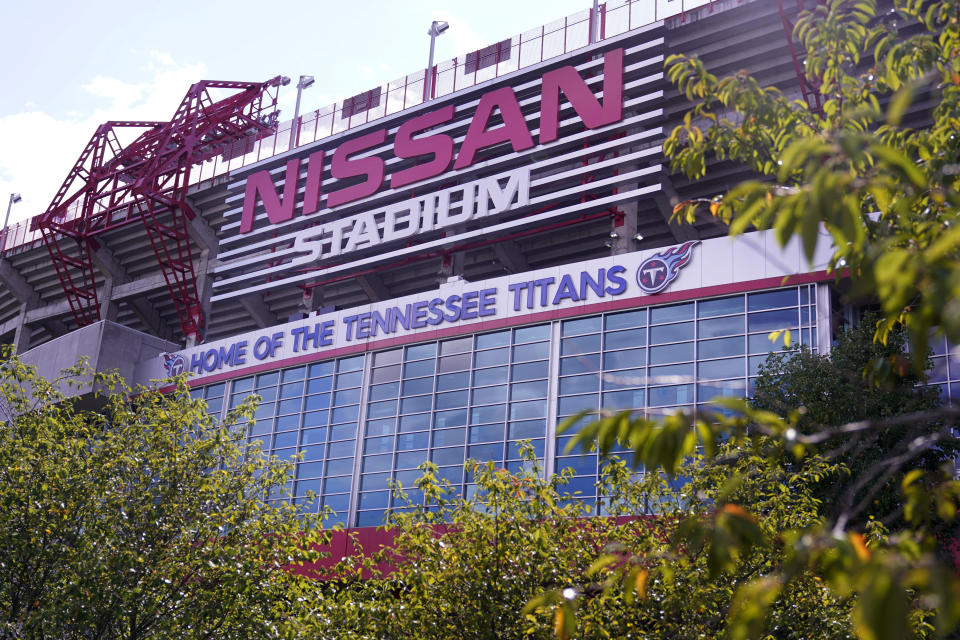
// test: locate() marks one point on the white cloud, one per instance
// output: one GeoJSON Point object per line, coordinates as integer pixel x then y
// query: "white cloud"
{"type": "Point", "coordinates": [37, 149]}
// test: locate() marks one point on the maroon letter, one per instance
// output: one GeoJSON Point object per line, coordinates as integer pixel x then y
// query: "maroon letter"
{"type": "Point", "coordinates": [277, 210]}
{"type": "Point", "coordinates": [514, 127]}
{"type": "Point", "coordinates": [311, 194]}
{"type": "Point", "coordinates": [578, 93]}
{"type": "Point", "coordinates": [440, 145]}
{"type": "Point", "coordinates": [342, 167]}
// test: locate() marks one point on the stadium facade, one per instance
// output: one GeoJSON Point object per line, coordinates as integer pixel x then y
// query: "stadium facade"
{"type": "Point", "coordinates": [439, 279]}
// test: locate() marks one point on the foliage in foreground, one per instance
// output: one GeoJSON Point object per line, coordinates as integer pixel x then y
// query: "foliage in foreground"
{"type": "Point", "coordinates": [140, 519]}
{"type": "Point", "coordinates": [520, 560]}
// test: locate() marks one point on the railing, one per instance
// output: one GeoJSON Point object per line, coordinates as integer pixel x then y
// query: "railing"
{"type": "Point", "coordinates": [526, 49]}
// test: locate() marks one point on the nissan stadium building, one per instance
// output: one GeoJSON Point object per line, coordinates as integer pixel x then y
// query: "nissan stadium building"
{"type": "Point", "coordinates": [436, 269]}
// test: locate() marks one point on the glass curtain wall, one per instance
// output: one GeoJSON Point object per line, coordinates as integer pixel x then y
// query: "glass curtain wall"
{"type": "Point", "coordinates": [362, 422]}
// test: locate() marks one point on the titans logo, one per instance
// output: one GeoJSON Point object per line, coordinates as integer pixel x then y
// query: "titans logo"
{"type": "Point", "coordinates": [660, 269]}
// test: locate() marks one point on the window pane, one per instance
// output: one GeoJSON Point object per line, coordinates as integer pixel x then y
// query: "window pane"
{"type": "Point", "coordinates": [418, 368]}
{"type": "Point", "coordinates": [496, 375]}
{"type": "Point", "coordinates": [386, 374]}
{"type": "Point", "coordinates": [455, 418]}
{"type": "Point", "coordinates": [580, 364]}
{"type": "Point", "coordinates": [490, 413]}
{"type": "Point", "coordinates": [772, 320]}
{"type": "Point", "coordinates": [626, 319]}
{"type": "Point", "coordinates": [525, 410]}
{"type": "Point", "coordinates": [722, 347]}
{"type": "Point", "coordinates": [672, 313]}
{"type": "Point", "coordinates": [410, 460]}
{"type": "Point", "coordinates": [671, 353]}
{"type": "Point", "coordinates": [624, 359]}
{"type": "Point", "coordinates": [529, 334]}
{"type": "Point", "coordinates": [573, 404]}
{"type": "Point", "coordinates": [631, 399]}
{"type": "Point", "coordinates": [680, 394]}
{"type": "Point", "coordinates": [319, 385]}
{"type": "Point", "coordinates": [291, 390]}
{"type": "Point", "coordinates": [528, 390]}
{"type": "Point", "coordinates": [347, 380]}
{"type": "Point", "coordinates": [351, 396]}
{"type": "Point", "coordinates": [720, 307]}
{"type": "Point", "coordinates": [579, 384]}
{"type": "Point", "coordinates": [378, 445]}
{"type": "Point", "coordinates": [408, 441]}
{"type": "Point", "coordinates": [384, 391]}
{"type": "Point", "coordinates": [529, 371]}
{"type": "Point", "coordinates": [452, 399]}
{"type": "Point", "coordinates": [625, 378]}
{"type": "Point", "coordinates": [343, 431]}
{"type": "Point", "coordinates": [420, 351]}
{"type": "Point", "coordinates": [448, 437]}
{"type": "Point", "coordinates": [625, 339]}
{"type": "Point", "coordinates": [720, 327]}
{"type": "Point", "coordinates": [267, 379]}
{"type": "Point", "coordinates": [527, 429]}
{"type": "Point", "coordinates": [371, 481]}
{"type": "Point", "coordinates": [491, 357]}
{"type": "Point", "coordinates": [581, 344]}
{"type": "Point", "coordinates": [453, 455]}
{"type": "Point", "coordinates": [486, 433]}
{"type": "Point", "coordinates": [581, 326]}
{"type": "Point", "coordinates": [533, 351]}
{"type": "Point", "coordinates": [381, 427]}
{"type": "Point", "coordinates": [313, 436]}
{"type": "Point", "coordinates": [415, 422]}
{"type": "Point", "coordinates": [453, 381]}
{"type": "Point", "coordinates": [454, 363]}
{"type": "Point", "coordinates": [417, 386]}
{"type": "Point", "coordinates": [344, 414]}
{"type": "Point", "coordinates": [488, 340]}
{"type": "Point", "coordinates": [387, 357]}
{"type": "Point", "coordinates": [772, 299]}
{"type": "Point", "coordinates": [377, 463]}
{"type": "Point", "coordinates": [341, 449]}
{"type": "Point", "coordinates": [459, 345]}
{"type": "Point", "coordinates": [484, 452]}
{"type": "Point", "coordinates": [320, 369]}
{"type": "Point", "coordinates": [671, 333]}
{"type": "Point", "coordinates": [728, 368]}
{"type": "Point", "coordinates": [416, 404]}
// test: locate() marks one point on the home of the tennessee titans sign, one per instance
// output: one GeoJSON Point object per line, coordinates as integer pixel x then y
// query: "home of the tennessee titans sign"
{"type": "Point", "coordinates": [660, 269]}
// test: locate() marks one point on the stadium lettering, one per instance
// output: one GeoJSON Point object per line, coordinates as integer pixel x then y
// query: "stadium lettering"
{"type": "Point", "coordinates": [433, 154]}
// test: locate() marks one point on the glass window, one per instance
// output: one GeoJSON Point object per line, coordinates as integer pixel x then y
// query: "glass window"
{"type": "Point", "coordinates": [448, 437]}
{"type": "Point", "coordinates": [242, 385]}
{"type": "Point", "coordinates": [715, 327]}
{"type": "Point", "coordinates": [337, 467]}
{"type": "Point", "coordinates": [378, 445]}
{"type": "Point", "coordinates": [581, 465]}
{"type": "Point", "coordinates": [491, 358]}
{"type": "Point", "coordinates": [772, 320]}
{"type": "Point", "coordinates": [418, 368]}
{"type": "Point", "coordinates": [573, 404]}
{"type": "Point", "coordinates": [490, 395]}
{"type": "Point", "coordinates": [581, 344]}
{"type": "Point", "coordinates": [484, 452]}
{"type": "Point", "coordinates": [617, 400]}
{"type": "Point", "coordinates": [309, 485]}
{"type": "Point", "coordinates": [343, 431]}
{"type": "Point", "coordinates": [452, 399]}
{"type": "Point", "coordinates": [344, 414]}
{"type": "Point", "coordinates": [728, 368]}
{"type": "Point", "coordinates": [291, 390]}
{"type": "Point", "coordinates": [394, 356]}
{"type": "Point", "coordinates": [496, 375]}
{"type": "Point", "coordinates": [267, 395]}
{"type": "Point", "coordinates": [453, 455]}
{"type": "Point", "coordinates": [528, 390]}
{"type": "Point", "coordinates": [625, 339]}
{"type": "Point", "coordinates": [377, 463]}
{"type": "Point", "coordinates": [295, 374]}
{"type": "Point", "coordinates": [314, 452]}
{"type": "Point", "coordinates": [671, 353]}
{"type": "Point", "coordinates": [320, 369]}
{"type": "Point", "coordinates": [350, 396]}
{"type": "Point", "coordinates": [529, 371]}
{"type": "Point", "coordinates": [625, 319]}
{"type": "Point", "coordinates": [722, 347]}
{"type": "Point", "coordinates": [720, 307]}
{"type": "Point", "coordinates": [409, 441]}
{"type": "Point", "coordinates": [581, 326]}
{"type": "Point", "coordinates": [410, 460]}
{"type": "Point", "coordinates": [454, 418]}
{"type": "Point", "coordinates": [319, 385]}
{"type": "Point", "coordinates": [354, 363]}
{"type": "Point", "coordinates": [341, 449]}
{"type": "Point", "coordinates": [489, 413]}
{"type": "Point", "coordinates": [375, 500]}
{"type": "Point", "coordinates": [671, 333]}
{"type": "Point", "coordinates": [382, 426]}
{"type": "Point", "coordinates": [772, 299]}
{"type": "Point", "coordinates": [347, 380]}
{"type": "Point", "coordinates": [458, 345]}
{"type": "Point", "coordinates": [450, 381]}
{"type": "Point", "coordinates": [513, 448]}
{"type": "Point", "coordinates": [386, 374]}
{"type": "Point", "coordinates": [579, 384]}
{"type": "Point", "coordinates": [337, 503]}
{"type": "Point", "coordinates": [761, 342]}
{"type": "Point", "coordinates": [624, 359]}
{"type": "Point", "coordinates": [530, 334]}
{"type": "Point", "coordinates": [625, 378]}
{"type": "Point", "coordinates": [371, 481]}
{"type": "Point", "coordinates": [337, 485]}
{"type": "Point", "coordinates": [672, 313]}
{"type": "Point", "coordinates": [384, 391]}
{"type": "Point", "coordinates": [527, 429]}
{"type": "Point", "coordinates": [284, 440]}
{"type": "Point", "coordinates": [580, 364]}
{"type": "Point", "coordinates": [420, 351]}
{"type": "Point", "coordinates": [417, 386]}
{"type": "Point", "coordinates": [525, 410]}
{"type": "Point", "coordinates": [416, 404]}
{"type": "Point", "coordinates": [267, 379]}
{"type": "Point", "coordinates": [315, 418]}
{"type": "Point", "coordinates": [532, 351]}
{"type": "Point", "coordinates": [671, 374]}
{"type": "Point", "coordinates": [486, 433]}
{"type": "Point", "coordinates": [498, 339]}
{"type": "Point", "coordinates": [309, 469]}
{"type": "Point", "coordinates": [734, 388]}
{"type": "Point", "coordinates": [454, 363]}
{"type": "Point", "coordinates": [414, 422]}
{"type": "Point", "coordinates": [313, 436]}
{"type": "Point", "coordinates": [679, 394]}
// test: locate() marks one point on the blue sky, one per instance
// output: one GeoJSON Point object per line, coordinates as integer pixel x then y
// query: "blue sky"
{"type": "Point", "coordinates": [69, 66]}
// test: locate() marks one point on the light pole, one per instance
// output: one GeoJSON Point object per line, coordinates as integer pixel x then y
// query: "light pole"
{"type": "Point", "coordinates": [14, 197]}
{"type": "Point", "coordinates": [595, 21]}
{"type": "Point", "coordinates": [305, 81]}
{"type": "Point", "coordinates": [436, 28]}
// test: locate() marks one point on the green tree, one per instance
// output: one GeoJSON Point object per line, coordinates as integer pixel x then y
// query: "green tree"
{"type": "Point", "coordinates": [859, 379]}
{"type": "Point", "coordinates": [519, 559]}
{"type": "Point", "coordinates": [886, 193]}
{"type": "Point", "coordinates": [136, 517]}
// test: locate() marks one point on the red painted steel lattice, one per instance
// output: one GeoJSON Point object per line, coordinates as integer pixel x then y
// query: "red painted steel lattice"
{"type": "Point", "coordinates": [146, 181]}
{"type": "Point", "coordinates": [810, 90]}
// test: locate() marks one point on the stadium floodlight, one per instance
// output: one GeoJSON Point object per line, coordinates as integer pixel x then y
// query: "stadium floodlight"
{"type": "Point", "coordinates": [437, 27]}
{"type": "Point", "coordinates": [304, 83]}
{"type": "Point", "coordinates": [14, 198]}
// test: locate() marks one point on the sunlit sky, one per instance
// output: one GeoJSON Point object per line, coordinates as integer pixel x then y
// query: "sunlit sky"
{"type": "Point", "coordinates": [69, 66]}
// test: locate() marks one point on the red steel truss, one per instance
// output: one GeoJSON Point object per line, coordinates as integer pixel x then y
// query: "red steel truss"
{"type": "Point", "coordinates": [810, 90]}
{"type": "Point", "coordinates": [114, 185]}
